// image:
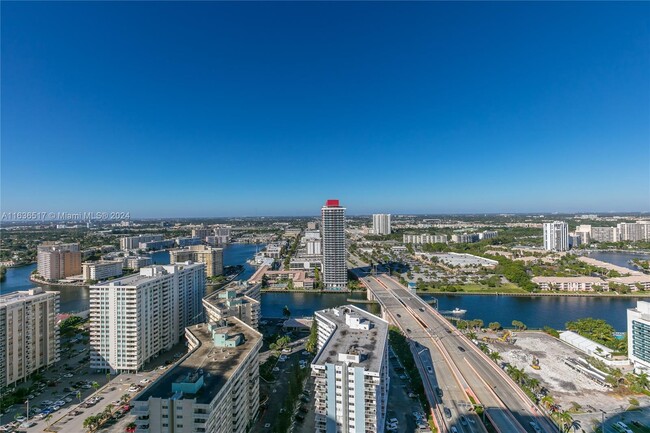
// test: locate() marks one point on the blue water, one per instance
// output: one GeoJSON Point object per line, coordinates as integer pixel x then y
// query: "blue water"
{"type": "Point", "coordinates": [74, 299]}
{"type": "Point", "coordinates": [618, 258]}
{"type": "Point", "coordinates": [535, 312]}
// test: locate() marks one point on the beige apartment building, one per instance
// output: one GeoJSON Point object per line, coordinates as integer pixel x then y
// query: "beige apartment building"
{"type": "Point", "coordinates": [57, 261]}
{"type": "Point", "coordinates": [210, 256]}
{"type": "Point", "coordinates": [29, 337]}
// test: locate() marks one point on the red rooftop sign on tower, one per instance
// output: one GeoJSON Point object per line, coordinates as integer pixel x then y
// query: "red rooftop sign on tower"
{"type": "Point", "coordinates": [332, 203]}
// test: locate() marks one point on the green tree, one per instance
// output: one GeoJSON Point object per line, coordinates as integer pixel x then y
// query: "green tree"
{"type": "Point", "coordinates": [495, 356]}
{"type": "Point", "coordinates": [495, 326]}
{"type": "Point", "coordinates": [312, 341]}
{"type": "Point", "coordinates": [519, 325]}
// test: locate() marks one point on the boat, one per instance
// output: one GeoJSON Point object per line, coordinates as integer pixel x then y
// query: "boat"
{"type": "Point", "coordinates": [458, 311]}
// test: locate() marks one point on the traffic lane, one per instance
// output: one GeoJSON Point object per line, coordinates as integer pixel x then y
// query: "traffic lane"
{"type": "Point", "coordinates": [456, 397]}
{"type": "Point", "coordinates": [489, 398]}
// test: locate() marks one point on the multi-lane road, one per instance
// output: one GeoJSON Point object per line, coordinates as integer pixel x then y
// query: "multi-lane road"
{"type": "Point", "coordinates": [450, 362]}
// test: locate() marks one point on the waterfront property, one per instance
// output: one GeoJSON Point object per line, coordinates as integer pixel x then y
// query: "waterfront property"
{"type": "Point", "coordinates": [638, 336]}
{"type": "Point", "coordinates": [29, 337]}
{"type": "Point", "coordinates": [231, 302]}
{"type": "Point", "coordinates": [298, 279]}
{"type": "Point", "coordinates": [135, 318]}
{"type": "Point", "coordinates": [133, 242]}
{"type": "Point", "coordinates": [57, 261]}
{"type": "Point", "coordinates": [570, 284]}
{"type": "Point", "coordinates": [335, 271]}
{"type": "Point", "coordinates": [211, 257]}
{"type": "Point", "coordinates": [214, 389]}
{"type": "Point", "coordinates": [101, 270]}
{"type": "Point", "coordinates": [351, 371]}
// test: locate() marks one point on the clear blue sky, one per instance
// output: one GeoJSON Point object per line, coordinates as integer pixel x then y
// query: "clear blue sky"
{"type": "Point", "coordinates": [219, 109]}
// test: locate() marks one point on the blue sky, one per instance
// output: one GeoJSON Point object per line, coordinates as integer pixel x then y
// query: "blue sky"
{"type": "Point", "coordinates": [220, 109]}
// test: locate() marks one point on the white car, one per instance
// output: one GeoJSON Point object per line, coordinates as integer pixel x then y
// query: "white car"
{"type": "Point", "coordinates": [133, 389]}
{"type": "Point", "coordinates": [68, 375]}
{"type": "Point", "coordinates": [21, 419]}
{"type": "Point", "coordinates": [145, 381]}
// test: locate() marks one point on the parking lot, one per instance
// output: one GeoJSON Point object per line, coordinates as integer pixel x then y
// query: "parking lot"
{"type": "Point", "coordinates": [69, 393]}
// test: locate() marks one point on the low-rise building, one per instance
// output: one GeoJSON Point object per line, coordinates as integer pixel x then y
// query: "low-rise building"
{"type": "Point", "coordinates": [157, 245]}
{"type": "Point", "coordinates": [102, 269]}
{"type": "Point", "coordinates": [215, 388]}
{"type": "Point", "coordinates": [137, 262]}
{"type": "Point", "coordinates": [281, 279]}
{"type": "Point", "coordinates": [350, 371]}
{"type": "Point", "coordinates": [230, 302]}
{"type": "Point", "coordinates": [424, 239]}
{"type": "Point", "coordinates": [571, 284]}
{"type": "Point", "coordinates": [29, 336]}
{"type": "Point", "coordinates": [633, 282]}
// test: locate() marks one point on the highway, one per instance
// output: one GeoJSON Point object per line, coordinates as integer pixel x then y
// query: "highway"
{"type": "Point", "coordinates": [435, 371]}
{"type": "Point", "coordinates": [454, 356]}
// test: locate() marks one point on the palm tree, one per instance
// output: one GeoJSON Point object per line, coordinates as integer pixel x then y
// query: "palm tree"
{"type": "Point", "coordinates": [495, 356]}
{"type": "Point", "coordinates": [48, 418]}
{"type": "Point", "coordinates": [565, 419]}
{"type": "Point", "coordinates": [533, 383]}
{"type": "Point", "coordinates": [95, 386]}
{"type": "Point", "coordinates": [575, 425]}
{"type": "Point", "coordinates": [125, 398]}
{"type": "Point", "coordinates": [547, 401]}
{"type": "Point", "coordinates": [642, 380]}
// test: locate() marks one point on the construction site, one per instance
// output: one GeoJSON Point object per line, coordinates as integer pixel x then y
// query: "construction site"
{"type": "Point", "coordinates": [563, 370]}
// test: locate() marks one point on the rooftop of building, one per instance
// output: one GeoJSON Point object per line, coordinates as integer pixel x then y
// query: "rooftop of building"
{"type": "Point", "coordinates": [23, 295]}
{"type": "Point", "coordinates": [369, 344]}
{"type": "Point", "coordinates": [593, 280]}
{"type": "Point", "coordinates": [215, 364]}
{"type": "Point", "coordinates": [149, 273]}
{"type": "Point", "coordinates": [220, 298]}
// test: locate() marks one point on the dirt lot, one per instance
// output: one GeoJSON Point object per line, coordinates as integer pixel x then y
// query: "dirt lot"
{"type": "Point", "coordinates": [568, 386]}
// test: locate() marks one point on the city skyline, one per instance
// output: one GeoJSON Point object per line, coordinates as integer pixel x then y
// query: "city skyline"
{"type": "Point", "coordinates": [248, 109]}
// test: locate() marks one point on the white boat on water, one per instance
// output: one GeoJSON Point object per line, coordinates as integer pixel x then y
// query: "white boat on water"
{"type": "Point", "coordinates": [458, 311]}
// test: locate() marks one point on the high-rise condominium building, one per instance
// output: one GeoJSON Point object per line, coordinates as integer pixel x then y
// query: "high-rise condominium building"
{"type": "Point", "coordinates": [335, 270]}
{"type": "Point", "coordinates": [215, 389]}
{"type": "Point", "coordinates": [638, 336]}
{"type": "Point", "coordinates": [603, 234]}
{"type": "Point", "coordinates": [29, 337]}
{"type": "Point", "coordinates": [133, 242]}
{"type": "Point", "coordinates": [57, 260]}
{"type": "Point", "coordinates": [210, 256]}
{"type": "Point", "coordinates": [638, 231]}
{"type": "Point", "coordinates": [135, 318]}
{"type": "Point", "coordinates": [381, 223]}
{"type": "Point", "coordinates": [351, 371]}
{"type": "Point", "coordinates": [201, 232]}
{"type": "Point", "coordinates": [556, 236]}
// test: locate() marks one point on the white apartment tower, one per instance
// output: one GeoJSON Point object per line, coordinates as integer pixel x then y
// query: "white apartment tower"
{"type": "Point", "coordinates": [556, 236]}
{"type": "Point", "coordinates": [29, 337]}
{"type": "Point", "coordinates": [215, 389]}
{"type": "Point", "coordinates": [335, 270]}
{"type": "Point", "coordinates": [381, 223]}
{"type": "Point", "coordinates": [351, 371]}
{"type": "Point", "coordinates": [135, 318]}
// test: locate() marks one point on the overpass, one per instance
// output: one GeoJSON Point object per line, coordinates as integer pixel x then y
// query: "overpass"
{"type": "Point", "coordinates": [450, 362]}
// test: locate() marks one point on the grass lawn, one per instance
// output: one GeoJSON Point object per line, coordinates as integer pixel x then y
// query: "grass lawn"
{"type": "Point", "coordinates": [480, 288]}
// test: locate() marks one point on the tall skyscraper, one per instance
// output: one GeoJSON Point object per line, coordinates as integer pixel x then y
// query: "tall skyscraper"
{"type": "Point", "coordinates": [29, 337]}
{"type": "Point", "coordinates": [556, 236]}
{"type": "Point", "coordinates": [135, 318]}
{"type": "Point", "coordinates": [351, 371]}
{"type": "Point", "coordinates": [335, 270]}
{"type": "Point", "coordinates": [381, 223]}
